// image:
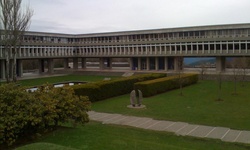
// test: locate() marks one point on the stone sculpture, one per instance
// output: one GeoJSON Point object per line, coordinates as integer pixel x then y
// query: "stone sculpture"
{"type": "Point", "coordinates": [136, 98]}
{"type": "Point", "coordinates": [132, 98]}
{"type": "Point", "coordinates": [139, 99]}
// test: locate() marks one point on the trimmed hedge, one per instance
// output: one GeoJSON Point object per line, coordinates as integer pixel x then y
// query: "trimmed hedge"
{"type": "Point", "coordinates": [153, 87]}
{"type": "Point", "coordinates": [106, 89]}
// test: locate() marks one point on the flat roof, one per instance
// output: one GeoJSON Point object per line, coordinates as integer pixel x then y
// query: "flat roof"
{"type": "Point", "coordinates": [149, 31]}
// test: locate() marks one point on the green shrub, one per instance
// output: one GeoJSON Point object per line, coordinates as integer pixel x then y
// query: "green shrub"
{"type": "Point", "coordinates": [105, 89]}
{"type": "Point", "coordinates": [88, 89]}
{"type": "Point", "coordinates": [24, 114]}
{"type": "Point", "coordinates": [61, 105]}
{"type": "Point", "coordinates": [153, 87]}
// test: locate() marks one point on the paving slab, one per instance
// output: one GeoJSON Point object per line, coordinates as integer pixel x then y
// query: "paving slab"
{"type": "Point", "coordinates": [98, 116]}
{"type": "Point", "coordinates": [161, 125]}
{"type": "Point", "coordinates": [107, 117]}
{"type": "Point", "coordinates": [177, 126]}
{"type": "Point", "coordinates": [218, 133]}
{"type": "Point", "coordinates": [112, 119]}
{"type": "Point", "coordinates": [94, 113]}
{"type": "Point", "coordinates": [138, 122]}
{"type": "Point", "coordinates": [187, 129]}
{"type": "Point", "coordinates": [125, 120]}
{"type": "Point", "coordinates": [244, 137]}
{"type": "Point", "coordinates": [148, 124]}
{"type": "Point", "coordinates": [180, 128]}
{"type": "Point", "coordinates": [118, 120]}
{"type": "Point", "coordinates": [201, 131]}
{"type": "Point", "coordinates": [91, 112]}
{"type": "Point", "coordinates": [231, 136]}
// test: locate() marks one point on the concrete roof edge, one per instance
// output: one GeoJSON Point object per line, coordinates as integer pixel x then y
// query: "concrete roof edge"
{"type": "Point", "coordinates": [147, 31]}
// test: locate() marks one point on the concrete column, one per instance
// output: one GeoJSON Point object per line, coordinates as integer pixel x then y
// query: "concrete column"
{"type": "Point", "coordinates": [166, 63]}
{"type": "Point", "coordinates": [209, 48]}
{"type": "Point", "coordinates": [139, 63]}
{"type": "Point", "coordinates": [109, 63]}
{"type": "Point", "coordinates": [45, 51]}
{"type": "Point", "coordinates": [32, 52]}
{"type": "Point", "coordinates": [131, 63]}
{"type": "Point", "coordinates": [84, 65]}
{"type": "Point", "coordinates": [180, 48]}
{"type": "Point", "coordinates": [148, 63]}
{"type": "Point", "coordinates": [35, 51]}
{"type": "Point", "coordinates": [170, 48]}
{"type": "Point", "coordinates": [150, 49]}
{"type": "Point", "coordinates": [175, 48]}
{"type": "Point", "coordinates": [220, 47]}
{"type": "Point", "coordinates": [41, 65]}
{"type": "Point", "coordinates": [203, 48]}
{"type": "Point", "coordinates": [50, 66]}
{"type": "Point", "coordinates": [215, 48]}
{"type": "Point", "coordinates": [1, 52]}
{"type": "Point", "coordinates": [233, 47]}
{"type": "Point", "coordinates": [160, 49]}
{"type": "Point", "coordinates": [19, 68]}
{"type": "Point", "coordinates": [186, 48]}
{"type": "Point", "coordinates": [227, 47]}
{"type": "Point", "coordinates": [2, 69]}
{"type": "Point", "coordinates": [75, 63]}
{"type": "Point", "coordinates": [156, 50]}
{"type": "Point", "coordinates": [239, 47]}
{"type": "Point", "coordinates": [165, 49]}
{"type": "Point", "coordinates": [220, 63]}
{"type": "Point", "coordinates": [66, 63]}
{"type": "Point", "coordinates": [101, 63]}
{"type": "Point", "coordinates": [197, 48]}
{"type": "Point", "coordinates": [157, 63]}
{"type": "Point", "coordinates": [245, 46]}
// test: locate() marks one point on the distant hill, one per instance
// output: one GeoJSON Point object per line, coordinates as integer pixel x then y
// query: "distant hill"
{"type": "Point", "coordinates": [203, 62]}
{"type": "Point", "coordinates": [191, 62]}
{"type": "Point", "coordinates": [188, 61]}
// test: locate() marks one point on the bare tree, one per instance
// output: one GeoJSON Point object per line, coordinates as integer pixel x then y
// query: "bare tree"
{"type": "Point", "coordinates": [15, 20]}
{"type": "Point", "coordinates": [244, 64]}
{"type": "Point", "coordinates": [219, 80]}
{"type": "Point", "coordinates": [236, 73]}
{"type": "Point", "coordinates": [203, 70]}
{"type": "Point", "coordinates": [180, 71]}
{"type": "Point", "coordinates": [6, 7]}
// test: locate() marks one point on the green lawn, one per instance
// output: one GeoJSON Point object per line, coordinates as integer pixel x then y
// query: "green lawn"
{"type": "Point", "coordinates": [97, 136]}
{"type": "Point", "coordinates": [56, 79]}
{"type": "Point", "coordinates": [197, 106]}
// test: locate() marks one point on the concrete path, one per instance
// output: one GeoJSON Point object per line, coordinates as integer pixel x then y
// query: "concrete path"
{"type": "Point", "coordinates": [179, 128]}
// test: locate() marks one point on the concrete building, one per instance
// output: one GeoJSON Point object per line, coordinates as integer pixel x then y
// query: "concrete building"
{"type": "Point", "coordinates": [159, 49]}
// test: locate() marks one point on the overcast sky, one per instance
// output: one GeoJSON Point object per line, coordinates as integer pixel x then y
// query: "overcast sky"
{"type": "Point", "coordinates": [94, 16]}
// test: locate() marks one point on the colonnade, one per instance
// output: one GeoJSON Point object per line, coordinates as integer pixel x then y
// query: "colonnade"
{"type": "Point", "coordinates": [136, 64]}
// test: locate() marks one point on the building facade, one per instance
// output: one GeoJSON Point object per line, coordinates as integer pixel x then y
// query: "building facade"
{"type": "Point", "coordinates": [159, 49]}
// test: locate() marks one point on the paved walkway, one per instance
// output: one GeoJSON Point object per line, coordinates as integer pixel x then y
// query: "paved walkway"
{"type": "Point", "coordinates": [179, 128]}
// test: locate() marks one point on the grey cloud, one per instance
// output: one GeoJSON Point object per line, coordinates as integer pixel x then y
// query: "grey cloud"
{"type": "Point", "coordinates": [85, 16]}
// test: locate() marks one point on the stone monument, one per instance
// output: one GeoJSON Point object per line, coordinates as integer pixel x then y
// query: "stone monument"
{"type": "Point", "coordinates": [132, 98]}
{"type": "Point", "coordinates": [139, 99]}
{"type": "Point", "coordinates": [136, 98]}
